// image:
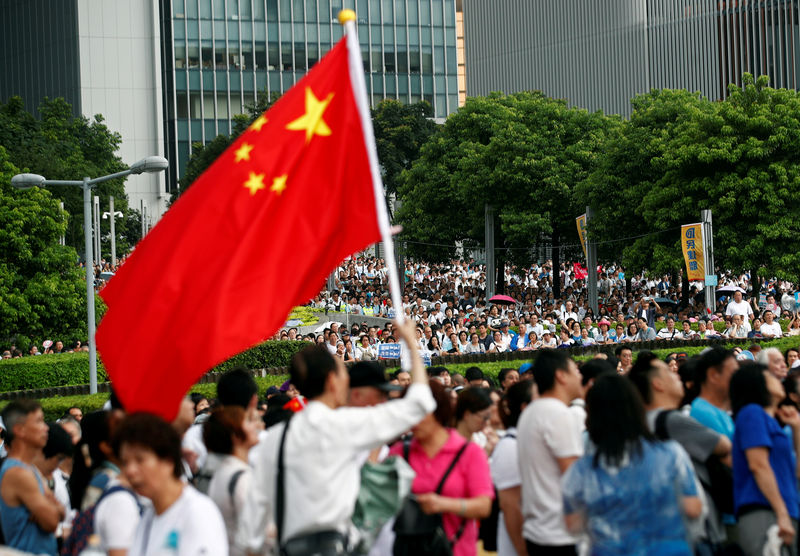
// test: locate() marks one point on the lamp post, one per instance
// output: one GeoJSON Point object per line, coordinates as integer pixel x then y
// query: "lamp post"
{"type": "Point", "coordinates": [111, 214]}
{"type": "Point", "coordinates": [151, 164]}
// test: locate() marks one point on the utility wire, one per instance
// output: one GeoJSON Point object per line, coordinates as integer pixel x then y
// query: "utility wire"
{"type": "Point", "coordinates": [565, 245]}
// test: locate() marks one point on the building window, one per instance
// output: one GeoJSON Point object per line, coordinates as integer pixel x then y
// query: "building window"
{"type": "Point", "coordinates": [388, 62]}
{"type": "Point", "coordinates": [402, 61]}
{"type": "Point", "coordinates": [247, 56]}
{"type": "Point", "coordinates": [182, 107]}
{"type": "Point", "coordinates": [193, 56]}
{"type": "Point", "coordinates": [286, 56]}
{"type": "Point", "coordinates": [207, 55]}
{"type": "Point", "coordinates": [414, 61]}
{"type": "Point", "coordinates": [180, 57]}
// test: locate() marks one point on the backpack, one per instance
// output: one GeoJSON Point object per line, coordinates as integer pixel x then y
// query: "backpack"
{"type": "Point", "coordinates": [720, 486]}
{"type": "Point", "coordinates": [83, 524]}
{"type": "Point", "coordinates": [421, 534]}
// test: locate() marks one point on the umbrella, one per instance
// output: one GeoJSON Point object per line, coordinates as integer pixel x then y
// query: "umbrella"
{"type": "Point", "coordinates": [323, 326]}
{"type": "Point", "coordinates": [293, 322]}
{"type": "Point", "coordinates": [503, 300]}
{"type": "Point", "coordinates": [729, 289]}
{"type": "Point", "coordinates": [665, 301]}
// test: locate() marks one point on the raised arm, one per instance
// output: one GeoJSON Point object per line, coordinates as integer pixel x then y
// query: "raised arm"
{"type": "Point", "coordinates": [408, 332]}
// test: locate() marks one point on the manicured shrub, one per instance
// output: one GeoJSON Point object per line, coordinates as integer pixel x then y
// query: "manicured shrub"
{"type": "Point", "coordinates": [47, 371]}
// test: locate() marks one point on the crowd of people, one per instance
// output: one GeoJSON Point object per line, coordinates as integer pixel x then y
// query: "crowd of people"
{"type": "Point", "coordinates": [450, 299]}
{"type": "Point", "coordinates": [455, 318]}
{"type": "Point", "coordinates": [620, 454]}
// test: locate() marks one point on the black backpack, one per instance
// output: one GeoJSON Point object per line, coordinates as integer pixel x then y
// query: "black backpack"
{"type": "Point", "coordinates": [421, 534]}
{"type": "Point", "coordinates": [720, 486]}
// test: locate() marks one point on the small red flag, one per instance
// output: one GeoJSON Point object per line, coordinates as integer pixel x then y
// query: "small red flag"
{"type": "Point", "coordinates": [255, 235]}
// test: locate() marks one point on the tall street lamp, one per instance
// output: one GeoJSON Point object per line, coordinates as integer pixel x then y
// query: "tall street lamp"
{"type": "Point", "coordinates": [151, 164]}
{"type": "Point", "coordinates": [112, 213]}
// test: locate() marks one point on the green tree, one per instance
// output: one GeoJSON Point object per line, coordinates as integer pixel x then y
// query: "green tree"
{"type": "Point", "coordinates": [523, 154]}
{"type": "Point", "coordinates": [42, 290]}
{"type": "Point", "coordinates": [60, 146]}
{"type": "Point", "coordinates": [680, 154]}
{"type": "Point", "coordinates": [629, 169]}
{"type": "Point", "coordinates": [400, 131]}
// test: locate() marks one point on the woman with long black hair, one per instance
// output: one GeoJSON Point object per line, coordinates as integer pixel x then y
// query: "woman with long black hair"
{"type": "Point", "coordinates": [631, 493]}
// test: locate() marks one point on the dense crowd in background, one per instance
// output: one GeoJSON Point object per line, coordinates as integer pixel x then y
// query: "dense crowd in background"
{"type": "Point", "coordinates": [449, 305]}
{"type": "Point", "coordinates": [619, 454]}
{"type": "Point", "coordinates": [450, 300]}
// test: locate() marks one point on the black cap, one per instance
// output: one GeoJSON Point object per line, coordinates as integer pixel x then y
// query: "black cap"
{"type": "Point", "coordinates": [371, 373]}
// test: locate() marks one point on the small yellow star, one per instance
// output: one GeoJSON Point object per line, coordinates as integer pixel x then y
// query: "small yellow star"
{"type": "Point", "coordinates": [279, 184]}
{"type": "Point", "coordinates": [311, 122]}
{"type": "Point", "coordinates": [259, 123]}
{"type": "Point", "coordinates": [255, 183]}
{"type": "Point", "coordinates": [243, 152]}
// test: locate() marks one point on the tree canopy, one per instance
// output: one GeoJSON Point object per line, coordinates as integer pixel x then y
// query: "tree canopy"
{"type": "Point", "coordinates": [400, 131]}
{"type": "Point", "coordinates": [42, 288]}
{"type": "Point", "coordinates": [523, 154]}
{"type": "Point", "coordinates": [61, 146]}
{"type": "Point", "coordinates": [679, 154]}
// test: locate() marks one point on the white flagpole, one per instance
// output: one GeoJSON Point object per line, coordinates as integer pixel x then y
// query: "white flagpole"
{"type": "Point", "coordinates": [348, 19]}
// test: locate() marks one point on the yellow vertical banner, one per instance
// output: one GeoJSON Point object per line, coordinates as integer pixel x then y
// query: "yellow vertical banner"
{"type": "Point", "coordinates": [581, 223]}
{"type": "Point", "coordinates": [692, 246]}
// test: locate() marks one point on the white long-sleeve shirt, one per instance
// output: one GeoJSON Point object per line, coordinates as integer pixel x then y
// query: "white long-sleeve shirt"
{"type": "Point", "coordinates": [322, 462]}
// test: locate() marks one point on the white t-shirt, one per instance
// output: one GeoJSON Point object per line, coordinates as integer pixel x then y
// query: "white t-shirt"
{"type": "Point", "coordinates": [742, 308]}
{"type": "Point", "coordinates": [231, 506]}
{"type": "Point", "coordinates": [193, 441]}
{"type": "Point", "coordinates": [192, 526]}
{"type": "Point", "coordinates": [116, 518]}
{"type": "Point", "coordinates": [547, 430]}
{"type": "Point", "coordinates": [773, 329]}
{"type": "Point", "coordinates": [504, 465]}
{"type": "Point", "coordinates": [61, 492]}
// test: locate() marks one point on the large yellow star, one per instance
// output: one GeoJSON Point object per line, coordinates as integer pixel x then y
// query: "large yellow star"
{"type": "Point", "coordinates": [311, 122]}
{"type": "Point", "coordinates": [243, 152]}
{"type": "Point", "coordinates": [279, 184]}
{"type": "Point", "coordinates": [255, 183]}
{"type": "Point", "coordinates": [259, 123]}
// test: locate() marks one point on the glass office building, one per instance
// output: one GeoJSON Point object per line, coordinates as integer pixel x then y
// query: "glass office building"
{"type": "Point", "coordinates": [169, 73]}
{"type": "Point", "coordinates": [220, 56]}
{"type": "Point", "coordinates": [599, 55]}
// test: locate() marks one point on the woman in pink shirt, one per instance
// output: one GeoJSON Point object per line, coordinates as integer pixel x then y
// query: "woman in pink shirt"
{"type": "Point", "coordinates": [467, 493]}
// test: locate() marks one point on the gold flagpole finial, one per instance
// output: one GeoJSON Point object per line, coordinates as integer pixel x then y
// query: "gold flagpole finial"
{"type": "Point", "coordinates": [346, 15]}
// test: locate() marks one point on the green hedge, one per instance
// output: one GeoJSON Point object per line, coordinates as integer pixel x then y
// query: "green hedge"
{"type": "Point", "coordinates": [46, 371]}
{"type": "Point", "coordinates": [70, 369]}
{"type": "Point", "coordinates": [263, 356]}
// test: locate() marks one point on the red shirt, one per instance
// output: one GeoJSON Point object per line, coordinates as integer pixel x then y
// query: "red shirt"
{"type": "Point", "coordinates": [469, 479]}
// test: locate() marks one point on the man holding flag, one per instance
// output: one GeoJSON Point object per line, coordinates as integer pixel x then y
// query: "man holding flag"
{"type": "Point", "coordinates": [256, 235]}
{"type": "Point", "coordinates": [306, 475]}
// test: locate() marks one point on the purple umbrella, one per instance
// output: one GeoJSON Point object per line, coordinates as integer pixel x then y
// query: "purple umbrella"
{"type": "Point", "coordinates": [503, 300]}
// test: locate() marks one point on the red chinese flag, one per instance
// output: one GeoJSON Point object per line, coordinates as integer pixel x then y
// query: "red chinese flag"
{"type": "Point", "coordinates": [256, 235]}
